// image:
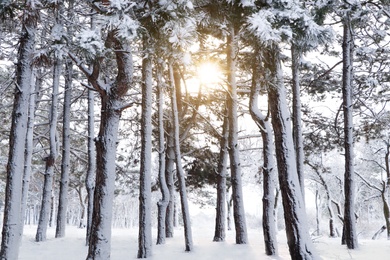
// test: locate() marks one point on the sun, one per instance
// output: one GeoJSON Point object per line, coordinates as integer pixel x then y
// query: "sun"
{"type": "Point", "coordinates": [209, 74]}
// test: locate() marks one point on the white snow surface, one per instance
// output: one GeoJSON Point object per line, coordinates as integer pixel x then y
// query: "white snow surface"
{"type": "Point", "coordinates": [124, 245]}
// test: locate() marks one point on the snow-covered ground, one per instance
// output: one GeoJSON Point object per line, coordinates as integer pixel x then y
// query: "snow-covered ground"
{"type": "Point", "coordinates": [124, 246]}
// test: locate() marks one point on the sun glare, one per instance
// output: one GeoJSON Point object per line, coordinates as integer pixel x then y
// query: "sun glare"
{"type": "Point", "coordinates": [209, 74]}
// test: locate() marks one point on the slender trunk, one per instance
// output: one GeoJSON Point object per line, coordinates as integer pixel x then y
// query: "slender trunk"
{"type": "Point", "coordinates": [229, 204]}
{"type": "Point", "coordinates": [296, 55]}
{"type": "Point", "coordinates": [298, 239]}
{"type": "Point", "coordinates": [269, 165]}
{"type": "Point", "coordinates": [65, 166]}
{"type": "Point", "coordinates": [179, 168]}
{"type": "Point", "coordinates": [234, 153]}
{"type": "Point", "coordinates": [90, 178]}
{"type": "Point", "coordinates": [220, 226]}
{"type": "Point", "coordinates": [10, 239]}
{"type": "Point", "coordinates": [162, 204]}
{"type": "Point", "coordinates": [145, 221]}
{"type": "Point", "coordinates": [317, 198]}
{"type": "Point", "coordinates": [44, 217]}
{"type": "Point", "coordinates": [169, 175]}
{"type": "Point", "coordinates": [29, 151]}
{"type": "Point", "coordinates": [349, 229]}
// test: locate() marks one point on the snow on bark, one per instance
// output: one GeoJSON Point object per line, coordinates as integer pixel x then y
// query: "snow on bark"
{"type": "Point", "coordinates": [28, 151]}
{"type": "Point", "coordinates": [220, 226]}
{"type": "Point", "coordinates": [297, 117]}
{"type": "Point", "coordinates": [269, 165]}
{"type": "Point", "coordinates": [65, 166]}
{"type": "Point", "coordinates": [17, 140]}
{"type": "Point", "coordinates": [169, 176]}
{"type": "Point", "coordinates": [162, 204]}
{"type": "Point", "coordinates": [349, 230]}
{"type": "Point", "coordinates": [100, 240]}
{"type": "Point", "coordinates": [111, 109]}
{"type": "Point", "coordinates": [234, 153]}
{"type": "Point", "coordinates": [90, 178]}
{"type": "Point", "coordinates": [298, 239]}
{"type": "Point", "coordinates": [179, 167]}
{"type": "Point", "coordinates": [44, 216]}
{"type": "Point", "coordinates": [145, 221]}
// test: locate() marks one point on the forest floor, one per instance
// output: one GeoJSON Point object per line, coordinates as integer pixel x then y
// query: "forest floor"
{"type": "Point", "coordinates": [124, 246]}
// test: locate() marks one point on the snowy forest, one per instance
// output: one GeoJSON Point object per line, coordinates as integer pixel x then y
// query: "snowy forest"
{"type": "Point", "coordinates": [262, 124]}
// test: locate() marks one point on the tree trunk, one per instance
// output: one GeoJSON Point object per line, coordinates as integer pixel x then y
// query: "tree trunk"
{"type": "Point", "coordinates": [111, 109]}
{"type": "Point", "coordinates": [349, 229]}
{"type": "Point", "coordinates": [29, 151]}
{"type": "Point", "coordinates": [179, 168]}
{"type": "Point", "coordinates": [269, 165]}
{"type": "Point", "coordinates": [10, 239]}
{"type": "Point", "coordinates": [298, 239]}
{"type": "Point", "coordinates": [296, 55]}
{"type": "Point", "coordinates": [229, 204]}
{"type": "Point", "coordinates": [100, 240]}
{"type": "Point", "coordinates": [162, 204]}
{"type": "Point", "coordinates": [220, 219]}
{"type": "Point", "coordinates": [44, 216]}
{"type": "Point", "coordinates": [65, 166]}
{"type": "Point", "coordinates": [145, 221]}
{"type": "Point", "coordinates": [234, 153]}
{"type": "Point", "coordinates": [169, 175]}
{"type": "Point", "coordinates": [90, 178]}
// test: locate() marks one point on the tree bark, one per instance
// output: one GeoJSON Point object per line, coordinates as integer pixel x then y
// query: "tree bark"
{"type": "Point", "coordinates": [44, 216]}
{"type": "Point", "coordinates": [162, 204]}
{"type": "Point", "coordinates": [220, 218]}
{"type": "Point", "coordinates": [91, 175]}
{"type": "Point", "coordinates": [349, 229]}
{"type": "Point", "coordinates": [111, 109]}
{"type": "Point", "coordinates": [179, 167]}
{"type": "Point", "coordinates": [234, 153]}
{"type": "Point", "coordinates": [10, 239]}
{"type": "Point", "coordinates": [145, 221]}
{"type": "Point", "coordinates": [169, 175]}
{"type": "Point", "coordinates": [296, 55]}
{"type": "Point", "coordinates": [65, 166]}
{"type": "Point", "coordinates": [269, 165]}
{"type": "Point", "coordinates": [298, 239]}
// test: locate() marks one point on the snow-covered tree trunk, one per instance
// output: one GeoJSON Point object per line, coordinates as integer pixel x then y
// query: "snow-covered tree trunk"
{"type": "Point", "coordinates": [29, 151]}
{"type": "Point", "coordinates": [65, 164]}
{"type": "Point", "coordinates": [179, 167]}
{"type": "Point", "coordinates": [269, 165]}
{"type": "Point", "coordinates": [298, 239]}
{"type": "Point", "coordinates": [220, 218]}
{"type": "Point", "coordinates": [44, 216]}
{"type": "Point", "coordinates": [10, 239]}
{"type": "Point", "coordinates": [162, 204]}
{"type": "Point", "coordinates": [90, 178]}
{"type": "Point", "coordinates": [111, 109]}
{"type": "Point", "coordinates": [296, 55]}
{"type": "Point", "coordinates": [169, 176]}
{"type": "Point", "coordinates": [145, 221]}
{"type": "Point", "coordinates": [229, 204]}
{"type": "Point", "coordinates": [234, 153]}
{"type": "Point", "coordinates": [349, 229]}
